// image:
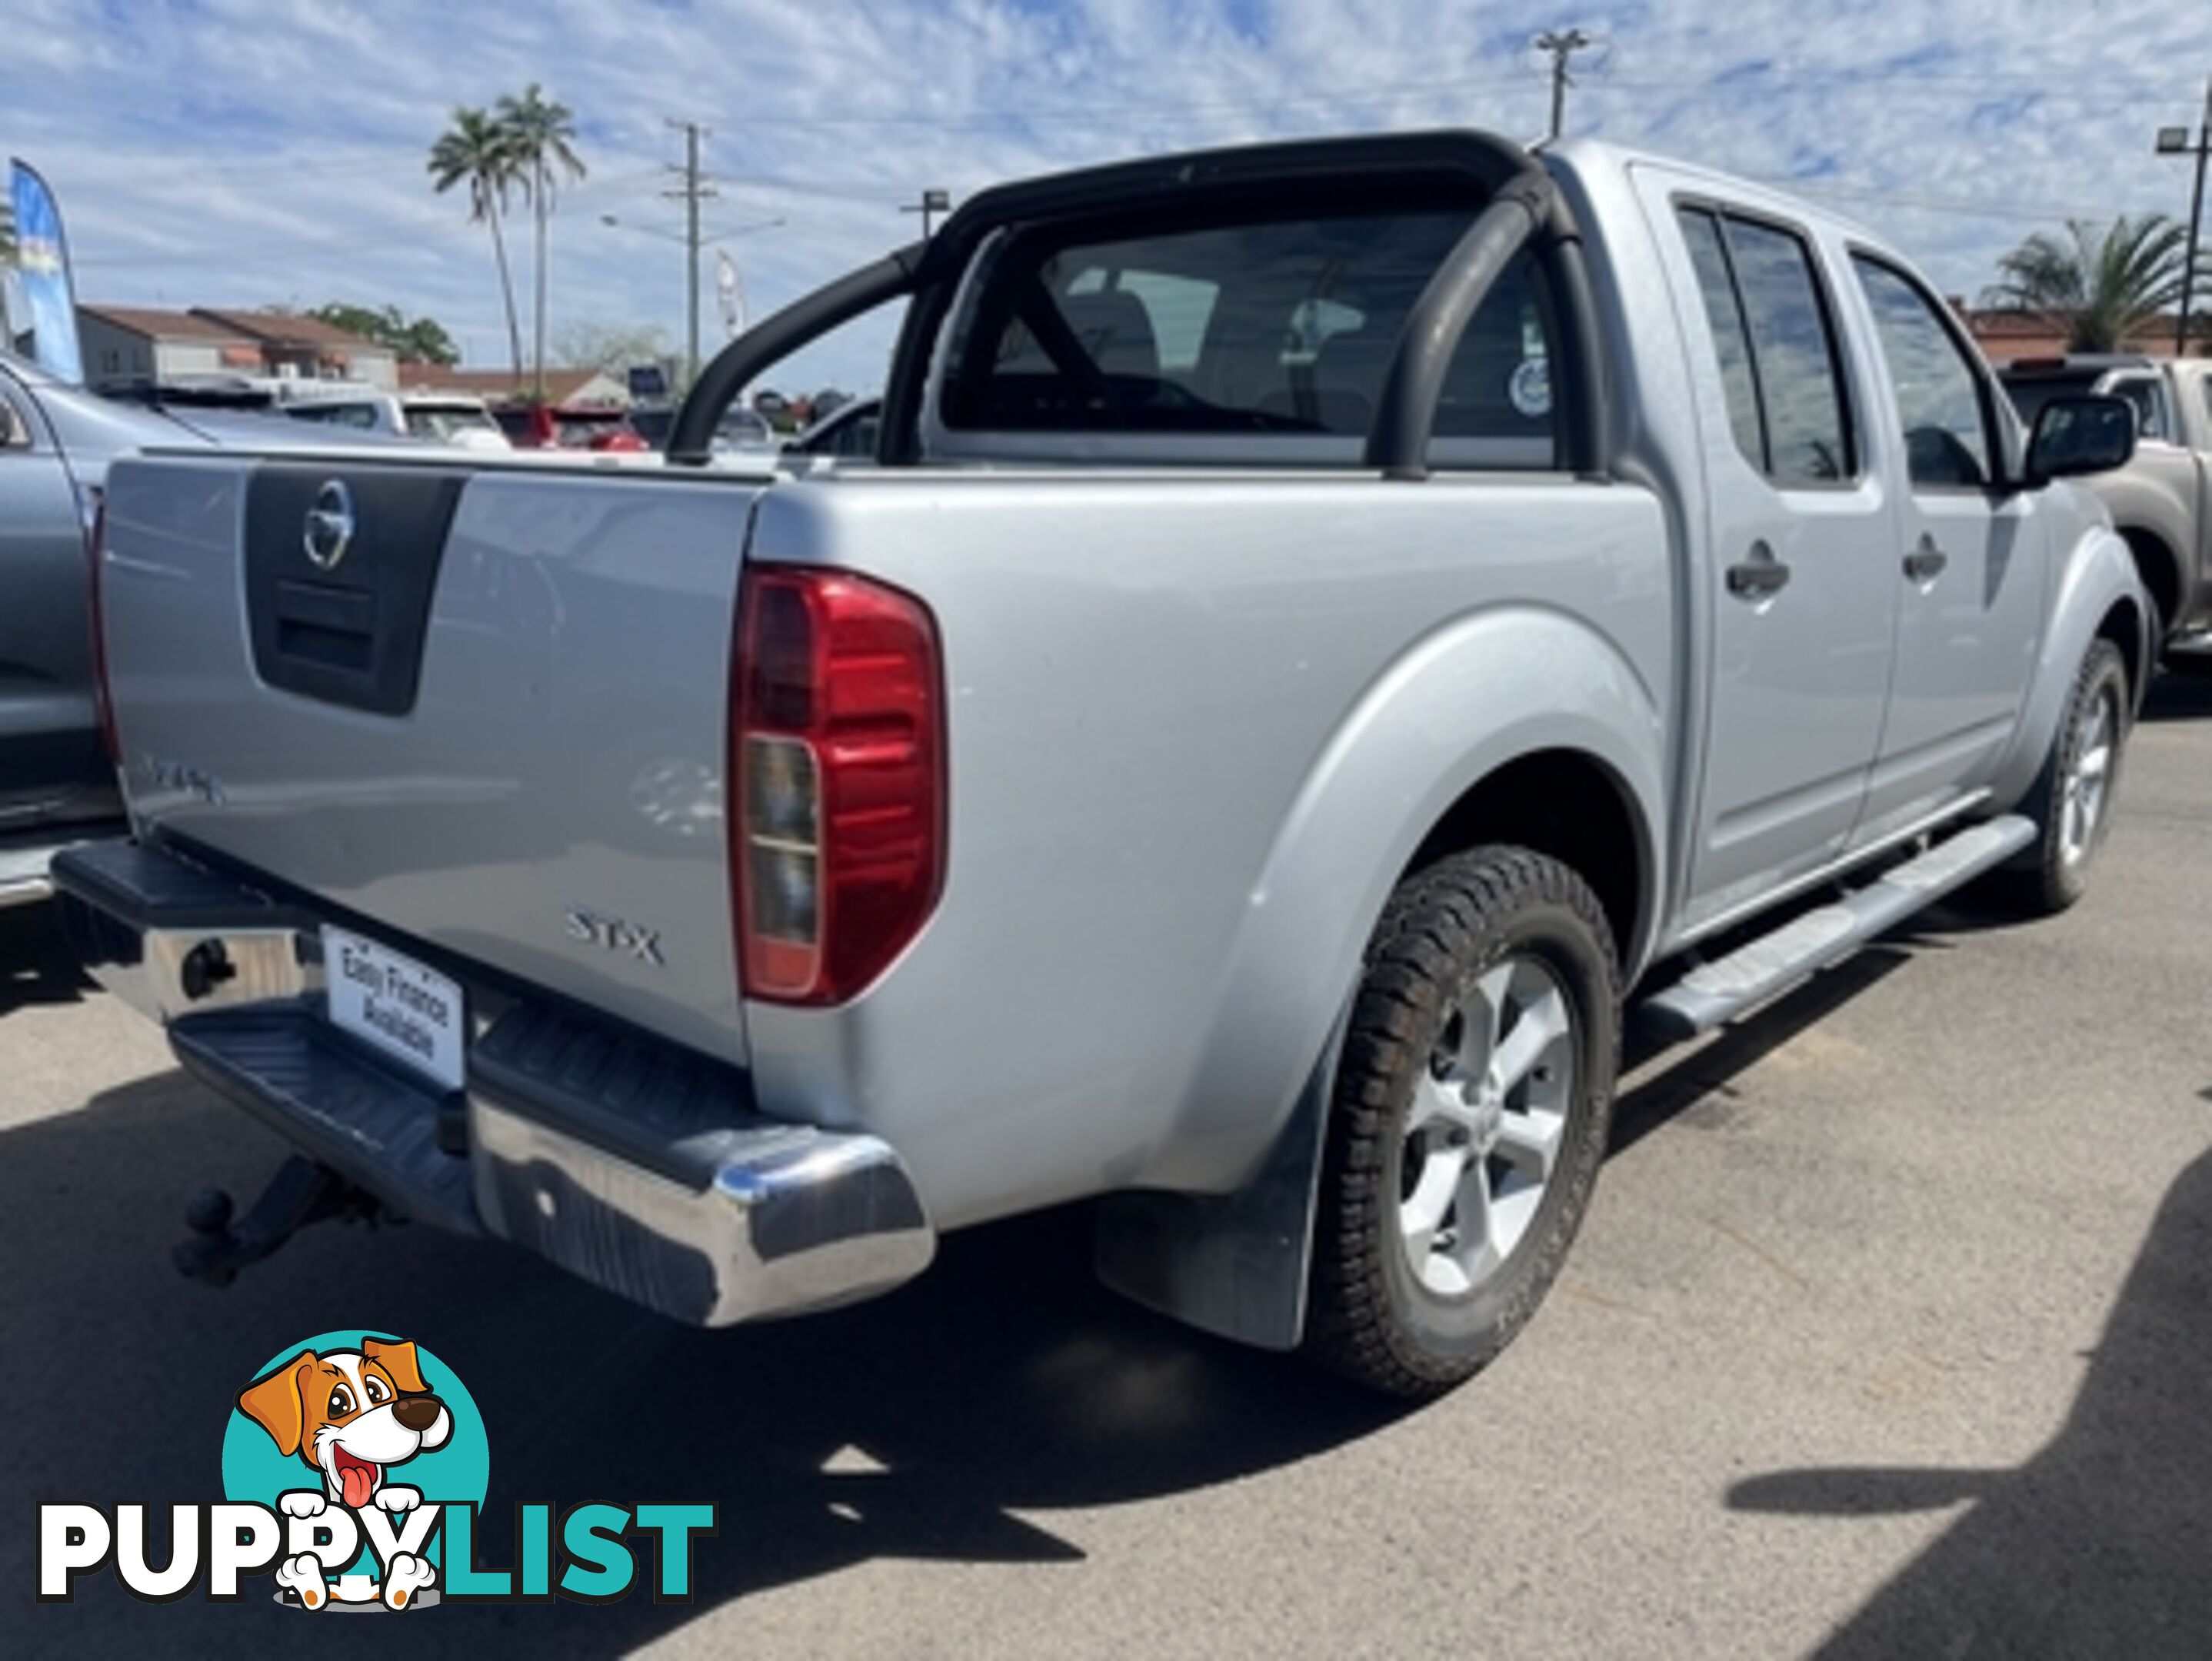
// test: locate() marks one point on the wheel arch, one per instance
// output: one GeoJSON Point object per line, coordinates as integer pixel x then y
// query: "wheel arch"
{"type": "Point", "coordinates": [2127, 628]}
{"type": "Point", "coordinates": [2158, 562]}
{"type": "Point", "coordinates": [1570, 804]}
{"type": "Point", "coordinates": [1449, 747]}
{"type": "Point", "coordinates": [1480, 713]}
{"type": "Point", "coordinates": [2099, 594]}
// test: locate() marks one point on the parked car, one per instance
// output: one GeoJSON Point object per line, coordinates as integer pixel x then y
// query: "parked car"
{"type": "Point", "coordinates": [57, 785]}
{"type": "Point", "coordinates": [448, 418]}
{"type": "Point", "coordinates": [739, 432]}
{"type": "Point", "coordinates": [1336, 626]}
{"type": "Point", "coordinates": [2161, 501]}
{"type": "Point", "coordinates": [215, 391]}
{"type": "Point", "coordinates": [561, 427]}
{"type": "Point", "coordinates": [848, 432]}
{"type": "Point", "coordinates": [58, 441]}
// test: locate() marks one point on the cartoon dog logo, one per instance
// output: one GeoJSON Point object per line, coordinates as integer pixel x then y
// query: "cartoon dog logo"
{"type": "Point", "coordinates": [350, 1416]}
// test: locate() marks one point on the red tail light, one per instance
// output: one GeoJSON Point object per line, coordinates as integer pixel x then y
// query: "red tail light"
{"type": "Point", "coordinates": [836, 781]}
{"type": "Point", "coordinates": [95, 538]}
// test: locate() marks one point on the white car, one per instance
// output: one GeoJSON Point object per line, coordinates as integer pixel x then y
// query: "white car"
{"type": "Point", "coordinates": [450, 418]}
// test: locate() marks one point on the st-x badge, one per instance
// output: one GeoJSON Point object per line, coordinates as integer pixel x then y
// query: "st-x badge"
{"type": "Point", "coordinates": [616, 934]}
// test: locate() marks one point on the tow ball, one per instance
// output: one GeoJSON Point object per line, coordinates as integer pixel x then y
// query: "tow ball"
{"type": "Point", "coordinates": [301, 1192]}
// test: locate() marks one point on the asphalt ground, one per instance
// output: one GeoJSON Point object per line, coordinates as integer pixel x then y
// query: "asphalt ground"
{"type": "Point", "coordinates": [1888, 1335]}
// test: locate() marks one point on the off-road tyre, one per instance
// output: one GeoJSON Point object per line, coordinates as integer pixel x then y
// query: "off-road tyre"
{"type": "Point", "coordinates": [1369, 1316]}
{"type": "Point", "coordinates": [2049, 875]}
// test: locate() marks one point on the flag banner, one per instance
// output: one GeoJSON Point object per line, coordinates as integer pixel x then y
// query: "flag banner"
{"type": "Point", "coordinates": [731, 290]}
{"type": "Point", "coordinates": [42, 276]}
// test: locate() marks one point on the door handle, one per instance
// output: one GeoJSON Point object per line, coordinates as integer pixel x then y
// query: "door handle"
{"type": "Point", "coordinates": [1760, 575]}
{"type": "Point", "coordinates": [1926, 562]}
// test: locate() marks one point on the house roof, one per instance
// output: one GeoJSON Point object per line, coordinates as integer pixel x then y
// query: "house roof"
{"type": "Point", "coordinates": [1990, 323]}
{"type": "Point", "coordinates": [286, 329]}
{"type": "Point", "coordinates": [561, 385]}
{"type": "Point", "coordinates": [156, 324]}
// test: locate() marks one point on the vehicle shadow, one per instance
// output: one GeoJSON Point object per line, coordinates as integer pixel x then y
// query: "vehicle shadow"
{"type": "Point", "coordinates": [920, 1426]}
{"type": "Point", "coordinates": [2101, 1545]}
{"type": "Point", "coordinates": [1684, 1085]}
{"type": "Point", "coordinates": [36, 964]}
{"type": "Point", "coordinates": [2176, 697]}
{"type": "Point", "coordinates": [931, 1424]}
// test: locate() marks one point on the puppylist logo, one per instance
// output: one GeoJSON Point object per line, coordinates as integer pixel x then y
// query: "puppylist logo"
{"type": "Point", "coordinates": [354, 1467]}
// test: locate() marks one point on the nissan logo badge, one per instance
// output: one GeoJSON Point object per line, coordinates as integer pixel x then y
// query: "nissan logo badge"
{"type": "Point", "coordinates": [330, 524]}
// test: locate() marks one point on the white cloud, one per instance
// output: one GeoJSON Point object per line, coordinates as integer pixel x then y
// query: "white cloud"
{"type": "Point", "coordinates": [243, 151]}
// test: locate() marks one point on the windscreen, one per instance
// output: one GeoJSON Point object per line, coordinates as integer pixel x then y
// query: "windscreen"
{"type": "Point", "coordinates": [1283, 326]}
{"type": "Point", "coordinates": [445, 422]}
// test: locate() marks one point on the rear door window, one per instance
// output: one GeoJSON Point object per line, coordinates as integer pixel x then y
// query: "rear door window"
{"type": "Point", "coordinates": [1777, 343]}
{"type": "Point", "coordinates": [1731, 335]}
{"type": "Point", "coordinates": [1282, 327]}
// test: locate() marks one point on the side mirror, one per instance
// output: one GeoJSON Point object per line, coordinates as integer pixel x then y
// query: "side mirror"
{"type": "Point", "coordinates": [2078, 435]}
{"type": "Point", "coordinates": [14, 434]}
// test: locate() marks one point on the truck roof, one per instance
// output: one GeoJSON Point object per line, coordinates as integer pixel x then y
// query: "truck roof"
{"type": "Point", "coordinates": [1593, 155]}
{"type": "Point", "coordinates": [2075, 363]}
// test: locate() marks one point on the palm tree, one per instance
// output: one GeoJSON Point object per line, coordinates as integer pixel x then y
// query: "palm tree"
{"type": "Point", "coordinates": [2098, 285]}
{"type": "Point", "coordinates": [540, 131]}
{"type": "Point", "coordinates": [478, 149]}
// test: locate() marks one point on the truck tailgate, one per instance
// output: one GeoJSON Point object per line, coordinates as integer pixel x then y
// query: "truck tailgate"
{"type": "Point", "coordinates": [496, 715]}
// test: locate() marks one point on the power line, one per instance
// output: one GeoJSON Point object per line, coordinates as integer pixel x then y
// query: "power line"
{"type": "Point", "coordinates": [2026, 213]}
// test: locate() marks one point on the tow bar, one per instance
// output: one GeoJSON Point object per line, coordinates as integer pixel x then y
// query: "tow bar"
{"type": "Point", "coordinates": [301, 1192]}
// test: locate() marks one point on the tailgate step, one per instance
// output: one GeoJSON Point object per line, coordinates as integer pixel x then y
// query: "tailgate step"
{"type": "Point", "coordinates": [289, 1069]}
{"type": "Point", "coordinates": [672, 1110]}
{"type": "Point", "coordinates": [1765, 968]}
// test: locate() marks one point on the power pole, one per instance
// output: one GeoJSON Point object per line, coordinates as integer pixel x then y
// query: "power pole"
{"type": "Point", "coordinates": [2174, 141]}
{"type": "Point", "coordinates": [695, 189]}
{"type": "Point", "coordinates": [932, 203]}
{"type": "Point", "coordinates": [1562, 44]}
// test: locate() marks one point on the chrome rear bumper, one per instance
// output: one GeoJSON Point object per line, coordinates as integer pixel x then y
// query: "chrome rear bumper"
{"type": "Point", "coordinates": [26, 861]}
{"type": "Point", "coordinates": [637, 1166]}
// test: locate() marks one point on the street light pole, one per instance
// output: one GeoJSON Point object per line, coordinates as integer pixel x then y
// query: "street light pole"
{"type": "Point", "coordinates": [932, 203]}
{"type": "Point", "coordinates": [2174, 141]}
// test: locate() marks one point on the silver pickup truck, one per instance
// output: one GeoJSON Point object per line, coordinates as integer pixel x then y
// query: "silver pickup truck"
{"type": "Point", "coordinates": [2161, 501]}
{"type": "Point", "coordinates": [1330, 630]}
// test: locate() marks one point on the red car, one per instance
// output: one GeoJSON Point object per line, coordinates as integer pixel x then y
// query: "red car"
{"type": "Point", "coordinates": [548, 427]}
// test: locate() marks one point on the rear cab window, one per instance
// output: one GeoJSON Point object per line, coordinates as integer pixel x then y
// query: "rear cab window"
{"type": "Point", "coordinates": [2030, 389]}
{"type": "Point", "coordinates": [2146, 396]}
{"type": "Point", "coordinates": [443, 422]}
{"type": "Point", "coordinates": [1267, 340]}
{"type": "Point", "coordinates": [360, 415]}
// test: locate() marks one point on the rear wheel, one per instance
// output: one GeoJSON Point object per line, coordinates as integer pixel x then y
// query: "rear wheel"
{"type": "Point", "coordinates": [2072, 801]}
{"type": "Point", "coordinates": [1469, 1118]}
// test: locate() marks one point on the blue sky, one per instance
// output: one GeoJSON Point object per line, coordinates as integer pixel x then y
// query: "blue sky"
{"type": "Point", "coordinates": [240, 152]}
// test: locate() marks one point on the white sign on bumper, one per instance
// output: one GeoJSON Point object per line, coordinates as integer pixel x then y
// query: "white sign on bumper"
{"type": "Point", "coordinates": [410, 1013]}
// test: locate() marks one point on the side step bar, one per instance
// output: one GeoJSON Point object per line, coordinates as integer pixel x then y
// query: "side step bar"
{"type": "Point", "coordinates": [1766, 967]}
